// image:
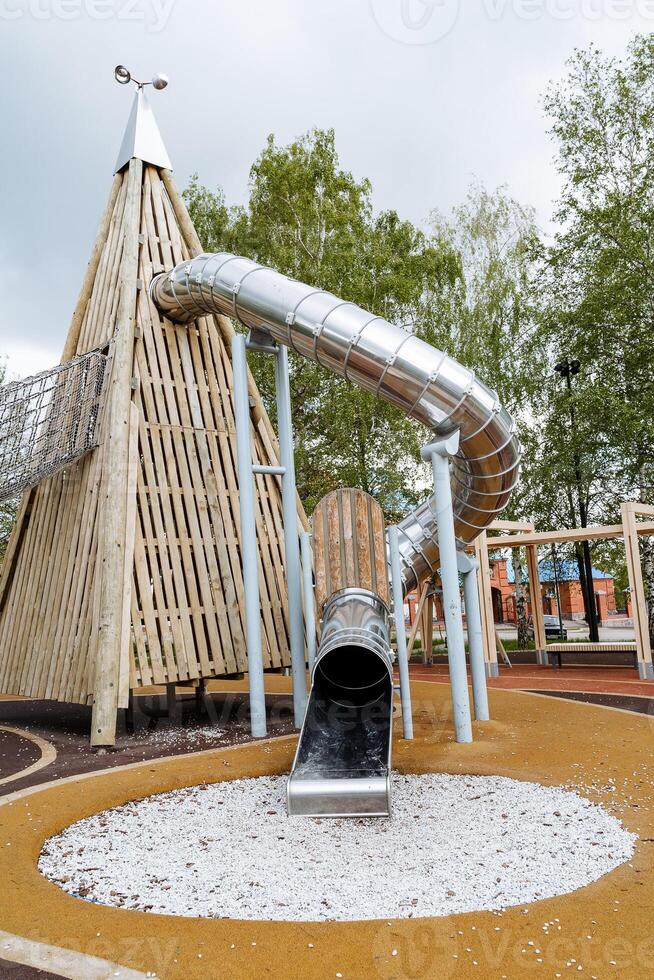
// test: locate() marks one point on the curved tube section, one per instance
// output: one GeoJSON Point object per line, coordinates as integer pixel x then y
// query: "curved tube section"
{"type": "Point", "coordinates": [381, 358]}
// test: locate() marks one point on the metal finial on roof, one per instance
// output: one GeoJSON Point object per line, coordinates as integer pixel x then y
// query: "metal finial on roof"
{"type": "Point", "coordinates": [142, 138]}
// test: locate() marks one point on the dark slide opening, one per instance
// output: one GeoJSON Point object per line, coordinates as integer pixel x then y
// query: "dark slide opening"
{"type": "Point", "coordinates": [347, 728]}
{"type": "Point", "coordinates": [352, 676]}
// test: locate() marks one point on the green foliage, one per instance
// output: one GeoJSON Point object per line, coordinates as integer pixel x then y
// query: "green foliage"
{"type": "Point", "coordinates": [599, 272]}
{"type": "Point", "coordinates": [592, 446]}
{"type": "Point", "coordinates": [492, 325]}
{"type": "Point", "coordinates": [313, 220]}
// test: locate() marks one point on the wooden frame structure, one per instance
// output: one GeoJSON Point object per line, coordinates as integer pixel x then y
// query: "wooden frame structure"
{"type": "Point", "coordinates": [423, 623]}
{"type": "Point", "coordinates": [124, 569]}
{"type": "Point", "coordinates": [523, 535]}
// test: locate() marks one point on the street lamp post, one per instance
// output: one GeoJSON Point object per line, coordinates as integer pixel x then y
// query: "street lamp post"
{"type": "Point", "coordinates": [567, 368]}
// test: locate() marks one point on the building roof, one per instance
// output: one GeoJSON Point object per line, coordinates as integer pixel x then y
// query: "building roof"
{"type": "Point", "coordinates": [566, 571]}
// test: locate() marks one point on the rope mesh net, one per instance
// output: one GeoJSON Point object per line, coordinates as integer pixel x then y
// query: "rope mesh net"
{"type": "Point", "coordinates": [49, 420]}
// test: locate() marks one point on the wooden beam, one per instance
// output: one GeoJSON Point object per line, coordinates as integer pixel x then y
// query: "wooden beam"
{"type": "Point", "coordinates": [116, 460]}
{"type": "Point", "coordinates": [536, 598]}
{"type": "Point", "coordinates": [486, 600]}
{"type": "Point", "coordinates": [427, 630]}
{"type": "Point", "coordinates": [602, 533]}
{"type": "Point", "coordinates": [130, 531]}
{"type": "Point", "coordinates": [638, 601]}
{"type": "Point", "coordinates": [416, 623]}
{"type": "Point", "coordinates": [500, 525]}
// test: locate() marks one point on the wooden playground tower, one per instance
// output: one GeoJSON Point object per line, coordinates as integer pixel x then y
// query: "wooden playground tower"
{"type": "Point", "coordinates": [124, 569]}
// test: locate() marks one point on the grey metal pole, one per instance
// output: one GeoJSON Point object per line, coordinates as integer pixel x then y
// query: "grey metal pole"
{"type": "Point", "coordinates": [309, 600]}
{"type": "Point", "coordinates": [400, 632]}
{"type": "Point", "coordinates": [291, 542]}
{"type": "Point", "coordinates": [249, 550]}
{"type": "Point", "coordinates": [468, 568]}
{"type": "Point", "coordinates": [439, 453]}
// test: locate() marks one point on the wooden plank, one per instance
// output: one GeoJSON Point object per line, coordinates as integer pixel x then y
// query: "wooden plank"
{"type": "Point", "coordinates": [602, 533]}
{"type": "Point", "coordinates": [365, 542]}
{"type": "Point", "coordinates": [130, 533]}
{"type": "Point", "coordinates": [635, 573]}
{"type": "Point", "coordinates": [537, 615]}
{"type": "Point", "coordinates": [380, 560]}
{"type": "Point", "coordinates": [501, 525]}
{"type": "Point", "coordinates": [417, 622]}
{"type": "Point", "coordinates": [427, 629]}
{"type": "Point", "coordinates": [626, 645]}
{"type": "Point", "coordinates": [322, 583]}
{"type": "Point", "coordinates": [485, 598]}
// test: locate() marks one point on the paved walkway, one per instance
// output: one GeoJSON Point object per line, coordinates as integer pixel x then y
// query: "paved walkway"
{"type": "Point", "coordinates": [530, 677]}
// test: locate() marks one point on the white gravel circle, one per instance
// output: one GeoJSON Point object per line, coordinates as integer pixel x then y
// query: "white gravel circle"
{"type": "Point", "coordinates": [228, 850]}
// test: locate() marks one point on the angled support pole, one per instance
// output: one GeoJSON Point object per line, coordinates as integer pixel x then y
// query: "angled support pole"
{"type": "Point", "coordinates": [246, 472]}
{"type": "Point", "coordinates": [291, 535]}
{"type": "Point", "coordinates": [400, 632]}
{"type": "Point", "coordinates": [468, 567]}
{"type": "Point", "coordinates": [438, 453]}
{"type": "Point", "coordinates": [249, 556]}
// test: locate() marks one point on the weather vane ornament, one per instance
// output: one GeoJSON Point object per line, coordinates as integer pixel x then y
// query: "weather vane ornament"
{"type": "Point", "coordinates": [142, 138]}
{"type": "Point", "coordinates": [123, 76]}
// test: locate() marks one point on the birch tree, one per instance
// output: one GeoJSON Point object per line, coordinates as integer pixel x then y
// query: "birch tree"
{"type": "Point", "coordinates": [599, 272]}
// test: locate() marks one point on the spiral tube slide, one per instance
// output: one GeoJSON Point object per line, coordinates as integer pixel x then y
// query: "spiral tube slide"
{"type": "Point", "coordinates": [381, 358]}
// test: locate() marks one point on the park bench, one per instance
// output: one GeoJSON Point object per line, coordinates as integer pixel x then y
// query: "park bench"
{"type": "Point", "coordinates": [555, 651]}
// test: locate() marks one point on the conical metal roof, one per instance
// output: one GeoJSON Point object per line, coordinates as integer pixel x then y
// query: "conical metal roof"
{"type": "Point", "coordinates": [142, 138]}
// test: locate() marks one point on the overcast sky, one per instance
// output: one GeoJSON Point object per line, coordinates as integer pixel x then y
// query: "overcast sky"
{"type": "Point", "coordinates": [423, 96]}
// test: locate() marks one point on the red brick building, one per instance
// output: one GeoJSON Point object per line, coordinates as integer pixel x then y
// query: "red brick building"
{"type": "Point", "coordinates": [569, 591]}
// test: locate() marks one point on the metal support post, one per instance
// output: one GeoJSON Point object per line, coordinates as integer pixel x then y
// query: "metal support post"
{"type": "Point", "coordinates": [291, 533]}
{"type": "Point", "coordinates": [400, 632]}
{"type": "Point", "coordinates": [468, 567]}
{"type": "Point", "coordinates": [439, 453]}
{"type": "Point", "coordinates": [249, 556]}
{"type": "Point", "coordinates": [309, 600]}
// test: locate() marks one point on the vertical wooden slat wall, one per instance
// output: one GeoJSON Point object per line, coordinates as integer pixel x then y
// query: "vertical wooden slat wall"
{"type": "Point", "coordinates": [185, 592]}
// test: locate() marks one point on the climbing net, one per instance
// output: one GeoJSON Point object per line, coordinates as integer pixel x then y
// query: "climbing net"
{"type": "Point", "coordinates": [49, 420]}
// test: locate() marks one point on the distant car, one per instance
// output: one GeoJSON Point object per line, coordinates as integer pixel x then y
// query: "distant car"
{"type": "Point", "coordinates": [553, 629]}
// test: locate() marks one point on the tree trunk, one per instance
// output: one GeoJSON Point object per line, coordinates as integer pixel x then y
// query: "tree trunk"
{"type": "Point", "coordinates": [647, 551]}
{"type": "Point", "coordinates": [583, 581]}
{"type": "Point", "coordinates": [520, 602]}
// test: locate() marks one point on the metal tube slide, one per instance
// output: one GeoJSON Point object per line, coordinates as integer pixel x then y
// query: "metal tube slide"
{"type": "Point", "coordinates": [343, 761]}
{"type": "Point", "coordinates": [380, 357]}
